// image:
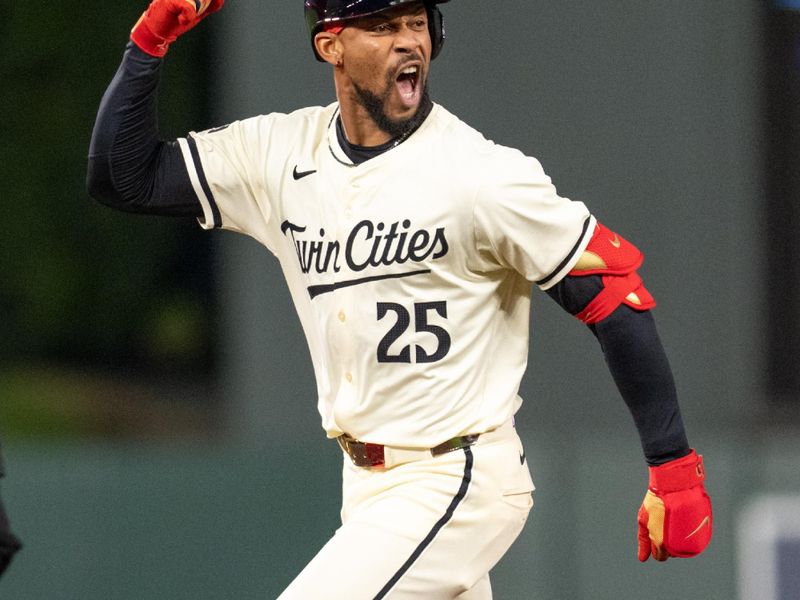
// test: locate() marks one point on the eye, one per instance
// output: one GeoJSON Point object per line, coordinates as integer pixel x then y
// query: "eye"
{"type": "Point", "coordinates": [382, 28]}
{"type": "Point", "coordinates": [419, 23]}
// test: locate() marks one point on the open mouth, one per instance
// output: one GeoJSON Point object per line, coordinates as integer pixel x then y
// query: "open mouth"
{"type": "Point", "coordinates": [408, 84]}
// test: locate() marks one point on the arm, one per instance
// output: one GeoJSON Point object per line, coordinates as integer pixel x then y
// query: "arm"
{"type": "Point", "coordinates": [604, 291]}
{"type": "Point", "coordinates": [130, 168]}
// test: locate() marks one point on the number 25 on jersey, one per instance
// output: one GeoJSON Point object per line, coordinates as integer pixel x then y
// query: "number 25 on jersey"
{"type": "Point", "coordinates": [420, 324]}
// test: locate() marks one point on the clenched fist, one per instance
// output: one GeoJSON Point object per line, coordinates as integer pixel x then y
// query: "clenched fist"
{"type": "Point", "coordinates": [165, 20]}
{"type": "Point", "coordinates": [675, 517]}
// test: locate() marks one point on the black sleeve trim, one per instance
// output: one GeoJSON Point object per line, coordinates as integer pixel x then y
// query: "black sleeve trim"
{"type": "Point", "coordinates": [572, 252]}
{"type": "Point", "coordinates": [201, 176]}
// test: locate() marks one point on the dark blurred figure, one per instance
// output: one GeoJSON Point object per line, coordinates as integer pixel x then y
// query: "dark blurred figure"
{"type": "Point", "coordinates": [9, 543]}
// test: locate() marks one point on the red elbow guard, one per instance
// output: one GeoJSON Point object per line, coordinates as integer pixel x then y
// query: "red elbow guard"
{"type": "Point", "coordinates": [616, 260]}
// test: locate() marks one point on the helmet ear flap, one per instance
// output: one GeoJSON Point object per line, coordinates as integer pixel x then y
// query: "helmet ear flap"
{"type": "Point", "coordinates": [436, 28]}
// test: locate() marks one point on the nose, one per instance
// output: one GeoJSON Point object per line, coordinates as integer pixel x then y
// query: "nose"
{"type": "Point", "coordinates": [408, 40]}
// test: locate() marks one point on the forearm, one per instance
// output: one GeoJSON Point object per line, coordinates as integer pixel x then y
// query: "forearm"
{"type": "Point", "coordinates": [641, 371]}
{"type": "Point", "coordinates": [636, 359]}
{"type": "Point", "coordinates": [130, 168]}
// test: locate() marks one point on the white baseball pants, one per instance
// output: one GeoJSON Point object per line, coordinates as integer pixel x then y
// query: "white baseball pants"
{"type": "Point", "coordinates": [428, 529]}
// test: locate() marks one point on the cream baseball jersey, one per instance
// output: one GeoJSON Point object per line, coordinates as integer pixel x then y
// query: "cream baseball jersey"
{"type": "Point", "coordinates": [411, 272]}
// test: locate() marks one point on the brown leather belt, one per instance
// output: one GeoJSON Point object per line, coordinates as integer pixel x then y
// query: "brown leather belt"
{"type": "Point", "coordinates": [364, 454]}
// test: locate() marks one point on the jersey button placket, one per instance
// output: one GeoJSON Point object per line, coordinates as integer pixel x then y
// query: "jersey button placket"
{"type": "Point", "coordinates": [348, 296]}
{"type": "Point", "coordinates": [348, 358]}
{"type": "Point", "coordinates": [353, 195]}
{"type": "Point", "coordinates": [345, 220]}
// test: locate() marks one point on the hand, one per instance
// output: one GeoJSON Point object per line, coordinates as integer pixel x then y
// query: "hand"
{"type": "Point", "coordinates": [675, 517]}
{"type": "Point", "coordinates": [165, 20]}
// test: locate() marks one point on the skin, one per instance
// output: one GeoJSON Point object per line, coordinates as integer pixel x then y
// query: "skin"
{"type": "Point", "coordinates": [367, 57]}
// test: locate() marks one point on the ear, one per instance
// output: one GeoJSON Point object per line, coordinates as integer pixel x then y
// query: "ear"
{"type": "Point", "coordinates": [329, 47]}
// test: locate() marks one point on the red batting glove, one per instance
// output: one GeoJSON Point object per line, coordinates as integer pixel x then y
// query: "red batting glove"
{"type": "Point", "coordinates": [165, 20]}
{"type": "Point", "coordinates": [675, 517]}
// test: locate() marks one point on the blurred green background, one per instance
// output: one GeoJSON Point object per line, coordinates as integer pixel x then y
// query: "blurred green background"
{"type": "Point", "coordinates": [84, 292]}
{"type": "Point", "coordinates": [157, 403]}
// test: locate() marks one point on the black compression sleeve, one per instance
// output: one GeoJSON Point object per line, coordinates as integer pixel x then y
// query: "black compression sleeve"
{"type": "Point", "coordinates": [130, 168]}
{"type": "Point", "coordinates": [636, 359]}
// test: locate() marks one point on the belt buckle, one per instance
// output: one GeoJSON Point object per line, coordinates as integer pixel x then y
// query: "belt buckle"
{"type": "Point", "coordinates": [363, 454]}
{"type": "Point", "coordinates": [456, 443]}
{"type": "Point", "coordinates": [375, 455]}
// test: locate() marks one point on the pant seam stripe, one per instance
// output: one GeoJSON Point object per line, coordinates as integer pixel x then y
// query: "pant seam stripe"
{"type": "Point", "coordinates": [462, 492]}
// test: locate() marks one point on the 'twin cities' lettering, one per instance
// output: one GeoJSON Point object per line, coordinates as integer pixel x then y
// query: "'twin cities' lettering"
{"type": "Point", "coordinates": [368, 245]}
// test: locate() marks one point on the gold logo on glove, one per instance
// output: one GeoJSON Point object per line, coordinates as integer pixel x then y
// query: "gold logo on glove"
{"type": "Point", "coordinates": [703, 523]}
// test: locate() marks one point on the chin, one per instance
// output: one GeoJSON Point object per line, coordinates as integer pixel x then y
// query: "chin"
{"type": "Point", "coordinates": [404, 114]}
{"type": "Point", "coordinates": [390, 114]}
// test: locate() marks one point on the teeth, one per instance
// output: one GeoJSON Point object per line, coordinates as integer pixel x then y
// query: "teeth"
{"type": "Point", "coordinates": [409, 70]}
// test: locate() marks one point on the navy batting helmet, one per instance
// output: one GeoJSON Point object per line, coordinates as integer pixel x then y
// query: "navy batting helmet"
{"type": "Point", "coordinates": [320, 13]}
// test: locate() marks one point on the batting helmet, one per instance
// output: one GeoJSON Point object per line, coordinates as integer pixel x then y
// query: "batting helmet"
{"type": "Point", "coordinates": [320, 13]}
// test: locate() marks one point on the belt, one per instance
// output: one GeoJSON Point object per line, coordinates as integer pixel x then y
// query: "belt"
{"type": "Point", "coordinates": [364, 454]}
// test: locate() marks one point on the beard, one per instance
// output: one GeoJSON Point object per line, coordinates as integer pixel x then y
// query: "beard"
{"type": "Point", "coordinates": [375, 105]}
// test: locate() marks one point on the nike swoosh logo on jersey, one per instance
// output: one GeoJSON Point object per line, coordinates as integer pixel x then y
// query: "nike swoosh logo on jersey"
{"type": "Point", "coordinates": [300, 174]}
{"type": "Point", "coordinates": [616, 241]}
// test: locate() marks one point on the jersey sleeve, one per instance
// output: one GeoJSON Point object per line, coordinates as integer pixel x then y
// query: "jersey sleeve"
{"type": "Point", "coordinates": [521, 222]}
{"type": "Point", "coordinates": [227, 170]}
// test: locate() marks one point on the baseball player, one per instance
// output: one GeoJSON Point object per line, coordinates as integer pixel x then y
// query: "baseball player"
{"type": "Point", "coordinates": [410, 245]}
{"type": "Point", "coordinates": [9, 543]}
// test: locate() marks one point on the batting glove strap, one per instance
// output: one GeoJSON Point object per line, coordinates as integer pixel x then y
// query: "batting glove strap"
{"type": "Point", "coordinates": [676, 475]}
{"type": "Point", "coordinates": [165, 20]}
{"type": "Point", "coordinates": [148, 41]}
{"type": "Point", "coordinates": [675, 519]}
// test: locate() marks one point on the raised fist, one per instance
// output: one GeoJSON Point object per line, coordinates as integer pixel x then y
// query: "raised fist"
{"type": "Point", "coordinates": [165, 20]}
